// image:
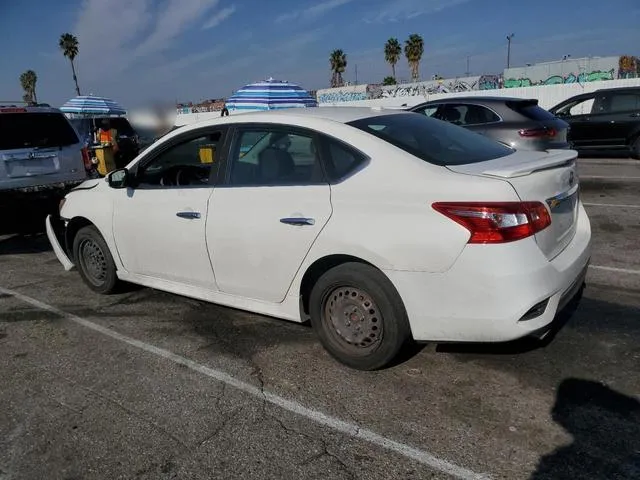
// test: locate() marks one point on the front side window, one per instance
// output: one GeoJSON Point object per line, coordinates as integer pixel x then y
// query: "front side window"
{"type": "Point", "coordinates": [274, 156]}
{"type": "Point", "coordinates": [189, 163]}
{"type": "Point", "coordinates": [436, 142]}
{"type": "Point", "coordinates": [579, 107]}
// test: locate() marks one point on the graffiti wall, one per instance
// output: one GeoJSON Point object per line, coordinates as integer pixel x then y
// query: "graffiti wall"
{"type": "Point", "coordinates": [580, 70]}
{"type": "Point", "coordinates": [343, 94]}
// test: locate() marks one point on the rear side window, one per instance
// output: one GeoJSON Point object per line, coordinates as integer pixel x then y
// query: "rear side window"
{"type": "Point", "coordinates": [35, 130]}
{"type": "Point", "coordinates": [531, 110]}
{"type": "Point", "coordinates": [342, 160]}
{"type": "Point", "coordinates": [624, 102]}
{"type": "Point", "coordinates": [434, 141]}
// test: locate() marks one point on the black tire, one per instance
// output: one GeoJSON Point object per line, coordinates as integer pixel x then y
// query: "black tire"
{"type": "Point", "coordinates": [94, 261]}
{"type": "Point", "coordinates": [362, 301]}
{"type": "Point", "coordinates": [635, 148]}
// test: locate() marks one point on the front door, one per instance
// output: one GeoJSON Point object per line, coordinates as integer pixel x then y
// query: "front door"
{"type": "Point", "coordinates": [266, 217]}
{"type": "Point", "coordinates": [578, 115]}
{"type": "Point", "coordinates": [159, 225]}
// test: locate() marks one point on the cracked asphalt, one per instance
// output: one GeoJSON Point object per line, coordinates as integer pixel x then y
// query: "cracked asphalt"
{"type": "Point", "coordinates": [187, 390]}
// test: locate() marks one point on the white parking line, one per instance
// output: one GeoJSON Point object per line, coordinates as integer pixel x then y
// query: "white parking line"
{"type": "Point", "coordinates": [616, 205]}
{"type": "Point", "coordinates": [615, 269]}
{"type": "Point", "coordinates": [316, 416]}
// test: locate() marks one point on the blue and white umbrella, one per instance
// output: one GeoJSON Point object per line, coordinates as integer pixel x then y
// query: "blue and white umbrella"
{"type": "Point", "coordinates": [92, 105]}
{"type": "Point", "coordinates": [270, 95]}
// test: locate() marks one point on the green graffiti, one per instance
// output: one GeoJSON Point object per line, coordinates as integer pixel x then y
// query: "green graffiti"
{"type": "Point", "coordinates": [599, 75]}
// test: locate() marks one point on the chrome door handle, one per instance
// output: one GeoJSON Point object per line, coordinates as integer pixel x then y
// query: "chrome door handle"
{"type": "Point", "coordinates": [190, 215]}
{"type": "Point", "coordinates": [298, 221]}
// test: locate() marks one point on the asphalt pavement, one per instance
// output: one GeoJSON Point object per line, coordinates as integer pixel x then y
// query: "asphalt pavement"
{"type": "Point", "coordinates": [149, 385]}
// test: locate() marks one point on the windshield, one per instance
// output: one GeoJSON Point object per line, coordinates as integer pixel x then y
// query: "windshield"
{"type": "Point", "coordinates": [434, 141]}
{"type": "Point", "coordinates": [35, 130]}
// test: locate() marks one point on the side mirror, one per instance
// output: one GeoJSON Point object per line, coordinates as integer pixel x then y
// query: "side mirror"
{"type": "Point", "coordinates": [118, 178]}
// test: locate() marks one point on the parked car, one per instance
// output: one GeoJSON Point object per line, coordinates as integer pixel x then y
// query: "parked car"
{"type": "Point", "coordinates": [519, 123]}
{"type": "Point", "coordinates": [41, 158]}
{"type": "Point", "coordinates": [607, 119]}
{"type": "Point", "coordinates": [380, 226]}
{"type": "Point", "coordinates": [128, 139]}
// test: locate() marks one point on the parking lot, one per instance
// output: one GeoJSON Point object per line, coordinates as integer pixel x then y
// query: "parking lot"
{"type": "Point", "coordinates": [149, 385]}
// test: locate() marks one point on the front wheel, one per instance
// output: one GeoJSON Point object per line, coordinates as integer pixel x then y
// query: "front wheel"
{"type": "Point", "coordinates": [94, 261]}
{"type": "Point", "coordinates": [359, 316]}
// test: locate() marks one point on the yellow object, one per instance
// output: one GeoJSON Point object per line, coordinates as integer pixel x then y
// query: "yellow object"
{"type": "Point", "coordinates": [106, 162]}
{"type": "Point", "coordinates": [207, 153]}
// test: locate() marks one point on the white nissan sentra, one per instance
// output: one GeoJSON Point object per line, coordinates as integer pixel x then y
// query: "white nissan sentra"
{"type": "Point", "coordinates": [380, 226]}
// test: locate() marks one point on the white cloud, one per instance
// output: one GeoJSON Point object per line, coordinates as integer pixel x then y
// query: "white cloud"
{"type": "Point", "coordinates": [116, 35]}
{"type": "Point", "coordinates": [220, 17]}
{"type": "Point", "coordinates": [399, 10]}
{"type": "Point", "coordinates": [312, 12]}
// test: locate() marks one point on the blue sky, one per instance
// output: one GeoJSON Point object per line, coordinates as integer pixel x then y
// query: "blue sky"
{"type": "Point", "coordinates": [139, 51]}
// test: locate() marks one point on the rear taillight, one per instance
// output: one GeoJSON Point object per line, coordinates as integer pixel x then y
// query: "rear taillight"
{"type": "Point", "coordinates": [86, 159]}
{"type": "Point", "coordinates": [497, 222]}
{"type": "Point", "coordinates": [537, 132]}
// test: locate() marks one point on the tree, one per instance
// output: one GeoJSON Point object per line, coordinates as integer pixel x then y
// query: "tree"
{"type": "Point", "coordinates": [69, 45]}
{"type": "Point", "coordinates": [413, 50]}
{"type": "Point", "coordinates": [392, 53]}
{"type": "Point", "coordinates": [338, 63]}
{"type": "Point", "coordinates": [28, 81]}
{"type": "Point", "coordinates": [389, 81]}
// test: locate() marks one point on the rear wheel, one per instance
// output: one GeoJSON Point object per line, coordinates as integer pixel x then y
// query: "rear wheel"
{"type": "Point", "coordinates": [635, 148]}
{"type": "Point", "coordinates": [94, 261]}
{"type": "Point", "coordinates": [359, 316]}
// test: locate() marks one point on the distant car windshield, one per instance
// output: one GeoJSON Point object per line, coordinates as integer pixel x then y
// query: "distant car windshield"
{"type": "Point", "coordinates": [434, 141]}
{"type": "Point", "coordinates": [35, 130]}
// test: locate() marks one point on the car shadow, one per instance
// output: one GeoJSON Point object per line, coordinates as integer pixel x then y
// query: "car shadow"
{"type": "Point", "coordinates": [21, 244]}
{"type": "Point", "coordinates": [605, 426]}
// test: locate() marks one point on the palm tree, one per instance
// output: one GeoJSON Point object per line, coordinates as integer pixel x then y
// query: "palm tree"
{"type": "Point", "coordinates": [413, 50]}
{"type": "Point", "coordinates": [69, 45]}
{"type": "Point", "coordinates": [338, 63]}
{"type": "Point", "coordinates": [389, 81]}
{"type": "Point", "coordinates": [28, 81]}
{"type": "Point", "coordinates": [392, 53]}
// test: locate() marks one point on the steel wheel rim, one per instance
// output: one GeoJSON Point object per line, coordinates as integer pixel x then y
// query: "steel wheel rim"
{"type": "Point", "coordinates": [94, 262]}
{"type": "Point", "coordinates": [353, 319]}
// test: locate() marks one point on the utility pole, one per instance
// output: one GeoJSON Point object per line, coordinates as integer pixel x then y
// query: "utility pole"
{"type": "Point", "coordinates": [509, 37]}
{"type": "Point", "coordinates": [356, 73]}
{"type": "Point", "coordinates": [467, 73]}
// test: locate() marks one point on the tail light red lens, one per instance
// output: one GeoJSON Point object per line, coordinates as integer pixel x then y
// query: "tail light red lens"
{"type": "Point", "coordinates": [537, 132]}
{"type": "Point", "coordinates": [497, 222]}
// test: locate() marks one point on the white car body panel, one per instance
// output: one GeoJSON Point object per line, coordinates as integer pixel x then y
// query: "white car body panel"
{"type": "Point", "coordinates": [382, 214]}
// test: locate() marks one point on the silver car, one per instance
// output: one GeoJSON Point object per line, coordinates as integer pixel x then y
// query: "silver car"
{"type": "Point", "coordinates": [41, 158]}
{"type": "Point", "coordinates": [519, 123]}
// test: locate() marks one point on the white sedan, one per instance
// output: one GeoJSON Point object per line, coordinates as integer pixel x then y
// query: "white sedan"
{"type": "Point", "coordinates": [379, 226]}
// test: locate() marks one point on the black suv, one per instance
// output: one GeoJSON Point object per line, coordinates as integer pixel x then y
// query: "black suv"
{"type": "Point", "coordinates": [607, 119]}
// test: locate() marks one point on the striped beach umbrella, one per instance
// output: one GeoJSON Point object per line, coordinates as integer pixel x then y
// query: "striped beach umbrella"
{"type": "Point", "coordinates": [270, 95]}
{"type": "Point", "coordinates": [92, 105]}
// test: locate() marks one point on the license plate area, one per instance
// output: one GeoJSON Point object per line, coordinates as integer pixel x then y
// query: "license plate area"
{"type": "Point", "coordinates": [29, 167]}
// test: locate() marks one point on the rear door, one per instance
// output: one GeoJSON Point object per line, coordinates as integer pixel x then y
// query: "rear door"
{"type": "Point", "coordinates": [539, 176]}
{"type": "Point", "coordinates": [619, 115]}
{"type": "Point", "coordinates": [265, 218]}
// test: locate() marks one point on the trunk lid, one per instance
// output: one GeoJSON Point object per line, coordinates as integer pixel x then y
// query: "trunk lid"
{"type": "Point", "coordinates": [549, 177]}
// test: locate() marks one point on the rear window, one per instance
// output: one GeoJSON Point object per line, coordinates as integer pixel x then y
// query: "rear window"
{"type": "Point", "coordinates": [531, 110]}
{"type": "Point", "coordinates": [434, 141]}
{"type": "Point", "coordinates": [35, 130]}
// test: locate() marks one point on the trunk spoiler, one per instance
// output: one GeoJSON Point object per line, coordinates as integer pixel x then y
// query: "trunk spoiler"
{"type": "Point", "coordinates": [518, 164]}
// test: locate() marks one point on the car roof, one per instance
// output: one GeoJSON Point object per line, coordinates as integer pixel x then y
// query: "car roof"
{"type": "Point", "coordinates": [28, 109]}
{"type": "Point", "coordinates": [617, 89]}
{"type": "Point", "coordinates": [480, 99]}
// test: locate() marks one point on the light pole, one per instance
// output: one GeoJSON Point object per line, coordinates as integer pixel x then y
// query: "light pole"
{"type": "Point", "coordinates": [509, 37]}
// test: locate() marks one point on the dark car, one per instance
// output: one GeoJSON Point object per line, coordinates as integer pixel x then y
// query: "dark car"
{"type": "Point", "coordinates": [607, 119]}
{"type": "Point", "coordinates": [519, 123]}
{"type": "Point", "coordinates": [127, 138]}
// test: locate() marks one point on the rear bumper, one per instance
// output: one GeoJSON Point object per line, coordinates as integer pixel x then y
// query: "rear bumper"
{"type": "Point", "coordinates": [56, 235]}
{"type": "Point", "coordinates": [495, 293]}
